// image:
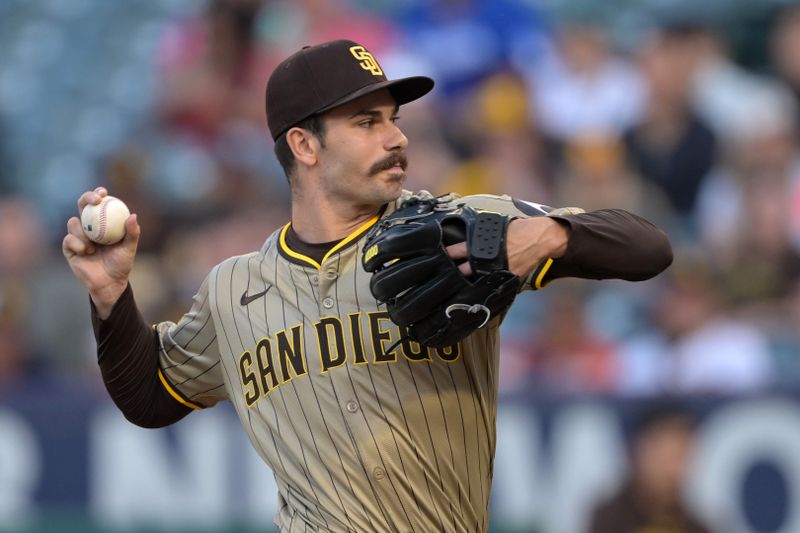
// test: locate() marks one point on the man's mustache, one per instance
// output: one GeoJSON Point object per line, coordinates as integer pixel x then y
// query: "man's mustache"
{"type": "Point", "coordinates": [393, 160]}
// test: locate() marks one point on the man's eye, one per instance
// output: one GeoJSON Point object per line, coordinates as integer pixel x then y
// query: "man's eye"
{"type": "Point", "coordinates": [366, 124]}
{"type": "Point", "coordinates": [395, 119]}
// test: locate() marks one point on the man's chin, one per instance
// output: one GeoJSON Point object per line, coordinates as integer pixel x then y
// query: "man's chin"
{"type": "Point", "coordinates": [395, 177]}
{"type": "Point", "coordinates": [392, 185]}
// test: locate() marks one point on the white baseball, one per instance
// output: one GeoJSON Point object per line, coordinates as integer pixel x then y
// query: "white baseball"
{"type": "Point", "coordinates": [104, 223]}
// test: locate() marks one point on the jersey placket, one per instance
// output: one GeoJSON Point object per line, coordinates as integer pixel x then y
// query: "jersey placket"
{"type": "Point", "coordinates": [326, 279]}
{"type": "Point", "coordinates": [352, 391]}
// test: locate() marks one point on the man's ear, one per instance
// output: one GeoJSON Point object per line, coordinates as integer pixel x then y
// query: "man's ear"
{"type": "Point", "coordinates": [304, 145]}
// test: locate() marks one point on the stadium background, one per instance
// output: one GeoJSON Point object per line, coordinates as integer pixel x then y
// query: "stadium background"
{"type": "Point", "coordinates": [683, 111]}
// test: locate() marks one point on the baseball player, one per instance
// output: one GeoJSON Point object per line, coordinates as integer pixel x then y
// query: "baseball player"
{"type": "Point", "coordinates": [363, 428]}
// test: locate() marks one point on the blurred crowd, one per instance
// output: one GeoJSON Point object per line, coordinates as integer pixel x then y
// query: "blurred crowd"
{"type": "Point", "coordinates": [555, 109]}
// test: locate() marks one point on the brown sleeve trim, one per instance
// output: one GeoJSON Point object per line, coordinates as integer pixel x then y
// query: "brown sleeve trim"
{"type": "Point", "coordinates": [610, 244]}
{"type": "Point", "coordinates": [128, 354]}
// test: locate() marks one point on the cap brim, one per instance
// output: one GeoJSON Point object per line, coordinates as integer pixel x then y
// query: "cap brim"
{"type": "Point", "coordinates": [403, 90]}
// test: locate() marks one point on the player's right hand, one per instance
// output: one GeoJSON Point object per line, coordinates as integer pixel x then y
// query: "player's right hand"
{"type": "Point", "coordinates": [103, 270]}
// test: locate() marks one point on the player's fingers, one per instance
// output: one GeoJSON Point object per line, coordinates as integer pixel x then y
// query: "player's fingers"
{"type": "Point", "coordinates": [91, 197]}
{"type": "Point", "coordinates": [132, 231]}
{"type": "Point", "coordinates": [71, 246]}
{"type": "Point", "coordinates": [458, 253]}
{"type": "Point", "coordinates": [75, 230]}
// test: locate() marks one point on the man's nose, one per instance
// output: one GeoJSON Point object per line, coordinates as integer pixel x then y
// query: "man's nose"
{"type": "Point", "coordinates": [396, 138]}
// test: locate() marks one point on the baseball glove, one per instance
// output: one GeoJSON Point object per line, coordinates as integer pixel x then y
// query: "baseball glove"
{"type": "Point", "coordinates": [422, 287]}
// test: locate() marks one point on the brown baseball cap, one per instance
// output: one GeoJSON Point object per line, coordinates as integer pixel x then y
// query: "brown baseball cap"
{"type": "Point", "coordinates": [321, 77]}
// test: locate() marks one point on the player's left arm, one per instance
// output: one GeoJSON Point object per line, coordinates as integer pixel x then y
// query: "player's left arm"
{"type": "Point", "coordinates": [603, 244]}
{"type": "Point", "coordinates": [544, 244]}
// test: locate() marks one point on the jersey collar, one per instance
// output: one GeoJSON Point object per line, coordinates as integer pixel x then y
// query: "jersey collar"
{"type": "Point", "coordinates": [302, 259]}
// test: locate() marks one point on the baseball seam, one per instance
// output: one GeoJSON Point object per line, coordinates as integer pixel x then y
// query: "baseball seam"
{"type": "Point", "coordinates": [101, 233]}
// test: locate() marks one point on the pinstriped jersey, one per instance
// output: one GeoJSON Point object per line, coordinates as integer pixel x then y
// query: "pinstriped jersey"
{"type": "Point", "coordinates": [364, 430]}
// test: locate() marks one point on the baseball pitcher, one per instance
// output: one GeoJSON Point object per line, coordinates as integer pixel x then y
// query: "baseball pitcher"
{"type": "Point", "coordinates": [359, 345]}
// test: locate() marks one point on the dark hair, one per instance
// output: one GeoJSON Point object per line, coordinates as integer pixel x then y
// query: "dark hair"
{"type": "Point", "coordinates": [316, 126]}
{"type": "Point", "coordinates": [662, 413]}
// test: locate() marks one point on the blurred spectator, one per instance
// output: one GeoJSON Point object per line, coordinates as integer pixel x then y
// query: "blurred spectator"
{"type": "Point", "coordinates": [650, 499]}
{"type": "Point", "coordinates": [671, 146]}
{"type": "Point", "coordinates": [465, 41]}
{"type": "Point", "coordinates": [21, 238]}
{"type": "Point", "coordinates": [14, 348]}
{"type": "Point", "coordinates": [785, 43]}
{"type": "Point", "coordinates": [721, 87]}
{"type": "Point", "coordinates": [595, 175]}
{"type": "Point", "coordinates": [785, 338]}
{"type": "Point", "coordinates": [750, 215]}
{"type": "Point", "coordinates": [7, 181]}
{"type": "Point", "coordinates": [567, 356]}
{"type": "Point", "coordinates": [506, 153]}
{"type": "Point", "coordinates": [217, 153]}
{"type": "Point", "coordinates": [518, 333]}
{"type": "Point", "coordinates": [287, 25]}
{"type": "Point", "coordinates": [764, 265]}
{"type": "Point", "coordinates": [213, 71]}
{"type": "Point", "coordinates": [37, 333]}
{"type": "Point", "coordinates": [21, 250]}
{"type": "Point", "coordinates": [586, 89]}
{"type": "Point", "coordinates": [697, 346]}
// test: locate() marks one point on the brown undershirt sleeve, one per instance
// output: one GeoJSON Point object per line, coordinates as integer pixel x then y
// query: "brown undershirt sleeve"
{"type": "Point", "coordinates": [127, 351]}
{"type": "Point", "coordinates": [606, 244]}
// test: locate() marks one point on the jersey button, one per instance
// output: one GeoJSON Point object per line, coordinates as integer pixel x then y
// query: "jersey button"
{"type": "Point", "coordinates": [327, 303]}
{"type": "Point", "coordinates": [378, 473]}
{"type": "Point", "coordinates": [314, 279]}
{"type": "Point", "coordinates": [351, 406]}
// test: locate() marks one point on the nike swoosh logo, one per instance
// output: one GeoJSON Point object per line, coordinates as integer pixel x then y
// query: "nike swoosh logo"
{"type": "Point", "coordinates": [248, 299]}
